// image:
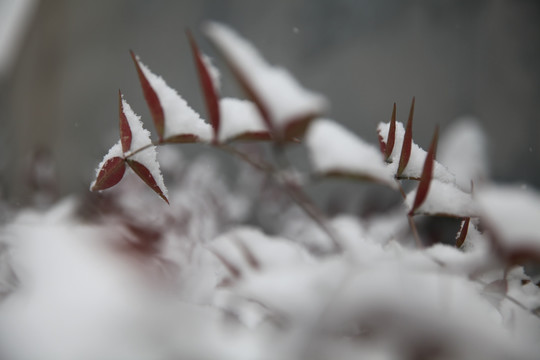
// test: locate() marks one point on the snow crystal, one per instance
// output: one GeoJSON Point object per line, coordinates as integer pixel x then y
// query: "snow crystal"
{"type": "Point", "coordinates": [513, 213]}
{"type": "Point", "coordinates": [114, 151]}
{"type": "Point", "coordinates": [285, 99]}
{"type": "Point", "coordinates": [239, 117]}
{"type": "Point", "coordinates": [180, 118]}
{"type": "Point", "coordinates": [462, 148]}
{"type": "Point", "coordinates": [417, 158]}
{"type": "Point", "coordinates": [335, 150]}
{"type": "Point", "coordinates": [444, 199]}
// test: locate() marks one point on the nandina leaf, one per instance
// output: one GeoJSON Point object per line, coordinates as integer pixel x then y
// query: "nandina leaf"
{"type": "Point", "coordinates": [209, 91]}
{"type": "Point", "coordinates": [427, 174]}
{"type": "Point", "coordinates": [125, 130]}
{"type": "Point", "coordinates": [110, 174]}
{"type": "Point", "coordinates": [151, 98]}
{"type": "Point", "coordinates": [407, 143]}
{"type": "Point", "coordinates": [146, 176]}
{"type": "Point", "coordinates": [391, 138]}
{"type": "Point", "coordinates": [463, 232]}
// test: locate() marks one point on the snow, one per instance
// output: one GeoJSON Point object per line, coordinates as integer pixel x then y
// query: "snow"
{"type": "Point", "coordinates": [335, 150]}
{"type": "Point", "coordinates": [141, 138]}
{"type": "Point", "coordinates": [285, 99]}
{"type": "Point", "coordinates": [417, 158]}
{"type": "Point", "coordinates": [444, 199]}
{"type": "Point", "coordinates": [114, 151]}
{"type": "Point", "coordinates": [462, 148]}
{"type": "Point", "coordinates": [180, 118]}
{"type": "Point", "coordinates": [213, 71]}
{"type": "Point", "coordinates": [513, 213]}
{"type": "Point", "coordinates": [239, 117]}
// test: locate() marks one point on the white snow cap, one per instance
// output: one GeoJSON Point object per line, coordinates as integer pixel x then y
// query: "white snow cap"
{"type": "Point", "coordinates": [180, 118]}
{"type": "Point", "coordinates": [285, 99]}
{"type": "Point", "coordinates": [513, 212]}
{"type": "Point", "coordinates": [140, 139]}
{"type": "Point", "coordinates": [239, 117]}
{"type": "Point", "coordinates": [418, 156]}
{"type": "Point", "coordinates": [334, 149]}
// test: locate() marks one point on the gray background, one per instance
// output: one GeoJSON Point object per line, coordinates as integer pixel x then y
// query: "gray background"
{"type": "Point", "coordinates": [478, 58]}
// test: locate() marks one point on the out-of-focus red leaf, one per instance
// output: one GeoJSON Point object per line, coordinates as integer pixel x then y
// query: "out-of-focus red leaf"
{"type": "Point", "coordinates": [209, 91]}
{"type": "Point", "coordinates": [125, 130]}
{"type": "Point", "coordinates": [151, 99]}
{"type": "Point", "coordinates": [146, 176]}
{"type": "Point", "coordinates": [382, 145]}
{"type": "Point", "coordinates": [407, 143]}
{"type": "Point", "coordinates": [391, 138]}
{"type": "Point", "coordinates": [253, 136]}
{"type": "Point", "coordinates": [296, 128]}
{"type": "Point", "coordinates": [110, 174]}
{"type": "Point", "coordinates": [463, 232]}
{"type": "Point", "coordinates": [427, 174]}
{"type": "Point", "coordinates": [184, 138]}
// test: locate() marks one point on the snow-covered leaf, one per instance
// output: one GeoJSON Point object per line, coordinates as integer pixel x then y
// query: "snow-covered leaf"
{"type": "Point", "coordinates": [285, 106]}
{"type": "Point", "coordinates": [174, 119]}
{"type": "Point", "coordinates": [111, 169]}
{"type": "Point", "coordinates": [125, 131]}
{"type": "Point", "coordinates": [427, 174]}
{"type": "Point", "coordinates": [512, 214]}
{"type": "Point", "coordinates": [462, 235]}
{"type": "Point", "coordinates": [208, 84]}
{"type": "Point", "coordinates": [335, 151]}
{"type": "Point", "coordinates": [391, 138]}
{"type": "Point", "coordinates": [146, 175]}
{"type": "Point", "coordinates": [241, 121]}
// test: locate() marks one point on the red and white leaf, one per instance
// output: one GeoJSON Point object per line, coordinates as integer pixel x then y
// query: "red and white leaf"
{"type": "Point", "coordinates": [241, 121]}
{"type": "Point", "coordinates": [180, 122]}
{"type": "Point", "coordinates": [111, 169]}
{"type": "Point", "coordinates": [209, 80]}
{"type": "Point", "coordinates": [125, 130]}
{"type": "Point", "coordinates": [335, 151]}
{"type": "Point", "coordinates": [284, 104]}
{"type": "Point", "coordinates": [391, 138]}
{"type": "Point", "coordinates": [407, 143]}
{"type": "Point", "coordinates": [148, 176]}
{"type": "Point", "coordinates": [427, 174]}
{"type": "Point", "coordinates": [463, 231]}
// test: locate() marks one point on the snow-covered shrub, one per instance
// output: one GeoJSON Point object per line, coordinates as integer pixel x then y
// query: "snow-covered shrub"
{"type": "Point", "coordinates": [255, 269]}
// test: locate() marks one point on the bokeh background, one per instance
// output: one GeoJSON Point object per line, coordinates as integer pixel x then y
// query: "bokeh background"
{"type": "Point", "coordinates": [63, 61]}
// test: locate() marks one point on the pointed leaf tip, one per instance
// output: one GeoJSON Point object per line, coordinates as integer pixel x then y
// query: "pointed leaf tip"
{"type": "Point", "coordinates": [463, 232]}
{"type": "Point", "coordinates": [151, 98]}
{"type": "Point", "coordinates": [146, 176]}
{"type": "Point", "coordinates": [207, 85]}
{"type": "Point", "coordinates": [391, 138]}
{"type": "Point", "coordinates": [109, 174]}
{"type": "Point", "coordinates": [407, 142]}
{"type": "Point", "coordinates": [125, 130]}
{"type": "Point", "coordinates": [427, 174]}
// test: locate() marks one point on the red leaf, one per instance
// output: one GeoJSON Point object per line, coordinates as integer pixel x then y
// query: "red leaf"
{"type": "Point", "coordinates": [110, 174]}
{"type": "Point", "coordinates": [209, 91]}
{"type": "Point", "coordinates": [407, 143]}
{"type": "Point", "coordinates": [427, 174]}
{"type": "Point", "coordinates": [391, 138]}
{"type": "Point", "coordinates": [382, 145]}
{"type": "Point", "coordinates": [125, 130]}
{"type": "Point", "coordinates": [463, 232]}
{"type": "Point", "coordinates": [151, 99]}
{"type": "Point", "coordinates": [146, 176]}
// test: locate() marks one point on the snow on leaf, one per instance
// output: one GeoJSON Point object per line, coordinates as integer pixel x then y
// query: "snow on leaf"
{"type": "Point", "coordinates": [285, 105]}
{"type": "Point", "coordinates": [143, 162]}
{"type": "Point", "coordinates": [462, 235]}
{"type": "Point", "coordinates": [151, 98]}
{"type": "Point", "coordinates": [416, 160]}
{"type": "Point", "coordinates": [512, 214]}
{"type": "Point", "coordinates": [390, 139]}
{"type": "Point", "coordinates": [241, 121]}
{"type": "Point", "coordinates": [208, 83]}
{"type": "Point", "coordinates": [111, 169]}
{"type": "Point", "coordinates": [407, 143]}
{"type": "Point", "coordinates": [427, 174]}
{"type": "Point", "coordinates": [444, 199]}
{"type": "Point", "coordinates": [175, 120]}
{"type": "Point", "coordinates": [125, 131]}
{"type": "Point", "coordinates": [335, 151]}
{"type": "Point", "coordinates": [144, 173]}
{"type": "Point", "coordinates": [462, 149]}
